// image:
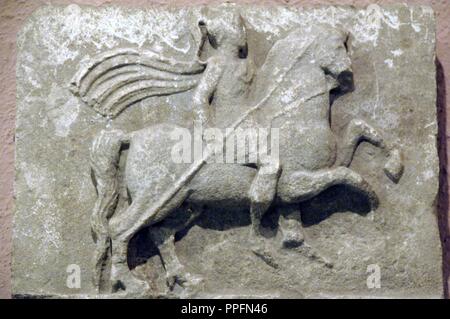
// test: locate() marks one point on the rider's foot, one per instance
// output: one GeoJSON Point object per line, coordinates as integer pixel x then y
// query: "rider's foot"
{"type": "Point", "coordinates": [292, 238]}
{"type": "Point", "coordinates": [292, 232]}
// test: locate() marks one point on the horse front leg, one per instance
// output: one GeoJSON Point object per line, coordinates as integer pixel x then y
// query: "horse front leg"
{"type": "Point", "coordinates": [298, 186]}
{"type": "Point", "coordinates": [357, 131]}
{"type": "Point", "coordinates": [295, 187]}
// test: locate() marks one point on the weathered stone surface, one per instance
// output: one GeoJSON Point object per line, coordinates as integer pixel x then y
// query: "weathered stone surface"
{"type": "Point", "coordinates": [387, 224]}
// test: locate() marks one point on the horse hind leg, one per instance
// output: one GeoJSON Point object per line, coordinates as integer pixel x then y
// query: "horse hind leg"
{"type": "Point", "coordinates": [121, 276]}
{"type": "Point", "coordinates": [175, 270]}
{"type": "Point", "coordinates": [358, 130]}
{"type": "Point", "coordinates": [124, 226]}
{"type": "Point", "coordinates": [164, 238]}
{"type": "Point", "coordinates": [104, 158]}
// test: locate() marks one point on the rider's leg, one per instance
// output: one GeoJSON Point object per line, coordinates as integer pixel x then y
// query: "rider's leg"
{"type": "Point", "coordinates": [298, 186]}
{"type": "Point", "coordinates": [358, 130]}
{"type": "Point", "coordinates": [262, 192]}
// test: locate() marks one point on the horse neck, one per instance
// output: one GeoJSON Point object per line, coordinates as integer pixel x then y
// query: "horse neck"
{"type": "Point", "coordinates": [313, 100]}
{"type": "Point", "coordinates": [313, 111]}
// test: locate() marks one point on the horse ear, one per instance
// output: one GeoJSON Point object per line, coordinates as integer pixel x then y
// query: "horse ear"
{"type": "Point", "coordinates": [242, 23]}
{"type": "Point", "coordinates": [345, 36]}
{"type": "Point", "coordinates": [348, 42]}
{"type": "Point", "coordinates": [203, 36]}
{"type": "Point", "coordinates": [212, 40]}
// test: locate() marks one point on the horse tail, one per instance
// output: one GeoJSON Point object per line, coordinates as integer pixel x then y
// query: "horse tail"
{"type": "Point", "coordinates": [113, 81]}
{"type": "Point", "coordinates": [104, 161]}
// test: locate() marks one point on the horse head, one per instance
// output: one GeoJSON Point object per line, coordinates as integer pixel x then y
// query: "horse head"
{"type": "Point", "coordinates": [329, 50]}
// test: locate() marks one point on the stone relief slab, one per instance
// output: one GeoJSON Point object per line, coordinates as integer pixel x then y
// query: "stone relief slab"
{"type": "Point", "coordinates": [132, 179]}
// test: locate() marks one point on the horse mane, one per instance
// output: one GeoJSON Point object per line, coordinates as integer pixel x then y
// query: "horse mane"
{"type": "Point", "coordinates": [112, 81]}
{"type": "Point", "coordinates": [295, 46]}
{"type": "Point", "coordinates": [284, 56]}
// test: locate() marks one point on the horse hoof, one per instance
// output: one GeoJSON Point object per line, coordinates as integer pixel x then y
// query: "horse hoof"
{"type": "Point", "coordinates": [130, 286]}
{"type": "Point", "coordinates": [123, 280]}
{"type": "Point", "coordinates": [185, 280]}
{"type": "Point", "coordinates": [394, 166]}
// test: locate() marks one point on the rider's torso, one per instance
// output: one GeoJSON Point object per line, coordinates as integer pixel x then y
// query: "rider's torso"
{"type": "Point", "coordinates": [231, 92]}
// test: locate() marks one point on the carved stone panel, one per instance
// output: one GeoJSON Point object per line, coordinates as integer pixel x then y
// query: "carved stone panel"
{"type": "Point", "coordinates": [227, 151]}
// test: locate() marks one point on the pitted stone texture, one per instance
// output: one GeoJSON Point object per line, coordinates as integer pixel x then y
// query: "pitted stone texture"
{"type": "Point", "coordinates": [392, 53]}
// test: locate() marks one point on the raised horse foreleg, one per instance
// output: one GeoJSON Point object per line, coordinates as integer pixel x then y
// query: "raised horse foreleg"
{"type": "Point", "coordinates": [298, 186]}
{"type": "Point", "coordinates": [357, 131]}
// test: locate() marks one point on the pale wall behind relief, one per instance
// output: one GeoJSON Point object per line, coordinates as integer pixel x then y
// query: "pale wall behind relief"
{"type": "Point", "coordinates": [13, 13]}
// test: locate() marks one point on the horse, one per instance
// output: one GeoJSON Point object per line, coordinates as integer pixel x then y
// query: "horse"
{"type": "Point", "coordinates": [291, 92]}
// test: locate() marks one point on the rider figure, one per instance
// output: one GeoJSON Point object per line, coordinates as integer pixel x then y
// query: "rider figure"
{"type": "Point", "coordinates": [224, 89]}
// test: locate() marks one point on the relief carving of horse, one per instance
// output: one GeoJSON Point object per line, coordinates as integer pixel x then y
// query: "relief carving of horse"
{"type": "Point", "coordinates": [290, 91]}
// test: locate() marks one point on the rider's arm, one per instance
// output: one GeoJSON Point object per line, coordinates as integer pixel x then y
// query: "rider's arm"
{"type": "Point", "coordinates": [205, 90]}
